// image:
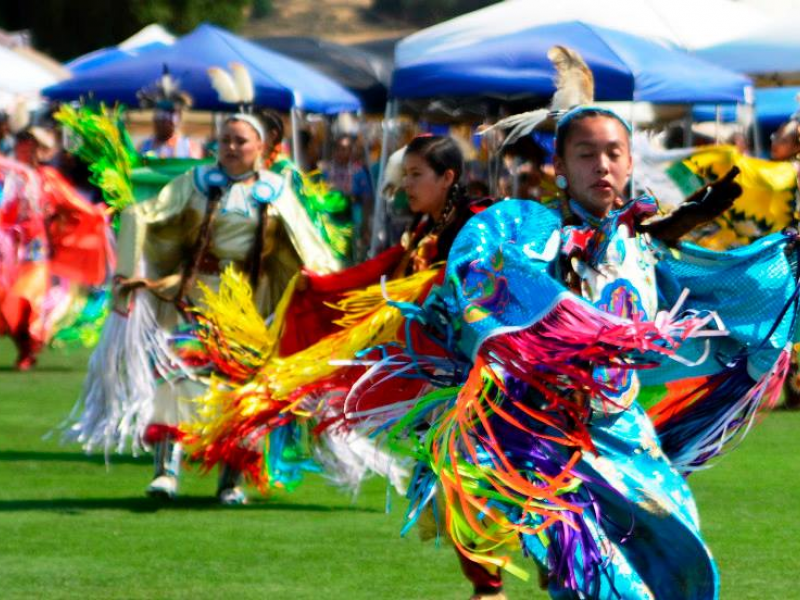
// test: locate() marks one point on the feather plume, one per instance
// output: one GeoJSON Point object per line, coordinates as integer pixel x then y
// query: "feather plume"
{"type": "Point", "coordinates": [574, 79]}
{"type": "Point", "coordinates": [574, 87]}
{"type": "Point", "coordinates": [393, 173]}
{"type": "Point", "coordinates": [223, 83]}
{"type": "Point", "coordinates": [20, 115]}
{"type": "Point", "coordinates": [519, 125]}
{"type": "Point", "coordinates": [168, 84]}
{"type": "Point", "coordinates": [244, 83]}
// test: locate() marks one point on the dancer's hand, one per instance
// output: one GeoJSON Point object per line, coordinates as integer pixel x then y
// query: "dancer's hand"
{"type": "Point", "coordinates": [124, 285]}
{"type": "Point", "coordinates": [704, 205]}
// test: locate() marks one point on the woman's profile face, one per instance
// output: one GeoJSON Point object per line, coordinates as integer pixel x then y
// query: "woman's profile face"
{"type": "Point", "coordinates": [240, 148]}
{"type": "Point", "coordinates": [427, 191]}
{"type": "Point", "coordinates": [596, 163]}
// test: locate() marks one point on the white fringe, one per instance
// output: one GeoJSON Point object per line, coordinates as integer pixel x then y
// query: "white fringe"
{"type": "Point", "coordinates": [349, 458]}
{"type": "Point", "coordinates": [116, 402]}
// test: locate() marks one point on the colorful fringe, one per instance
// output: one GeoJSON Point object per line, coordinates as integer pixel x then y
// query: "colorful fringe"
{"type": "Point", "coordinates": [232, 420]}
{"type": "Point", "coordinates": [84, 325]}
{"type": "Point", "coordinates": [716, 413]}
{"type": "Point", "coordinates": [505, 445]}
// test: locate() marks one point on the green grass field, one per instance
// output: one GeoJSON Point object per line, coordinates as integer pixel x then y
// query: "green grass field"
{"type": "Point", "coordinates": [72, 528]}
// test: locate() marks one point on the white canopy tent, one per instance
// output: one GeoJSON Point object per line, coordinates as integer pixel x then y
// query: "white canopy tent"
{"type": "Point", "coordinates": [151, 34]}
{"type": "Point", "coordinates": [688, 24]}
{"type": "Point", "coordinates": [770, 53]}
{"type": "Point", "coordinates": [23, 78]}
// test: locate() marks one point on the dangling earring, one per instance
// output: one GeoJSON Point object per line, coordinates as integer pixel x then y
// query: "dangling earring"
{"type": "Point", "coordinates": [449, 203]}
{"type": "Point", "coordinates": [561, 182]}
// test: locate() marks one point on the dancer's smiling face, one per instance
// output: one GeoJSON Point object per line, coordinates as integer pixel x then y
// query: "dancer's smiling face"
{"type": "Point", "coordinates": [596, 161]}
{"type": "Point", "coordinates": [240, 147]}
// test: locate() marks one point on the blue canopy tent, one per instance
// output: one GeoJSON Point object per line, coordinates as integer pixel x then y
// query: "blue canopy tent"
{"type": "Point", "coordinates": [625, 67]}
{"type": "Point", "coordinates": [365, 74]}
{"type": "Point", "coordinates": [514, 65]}
{"type": "Point", "coordinates": [280, 82]}
{"type": "Point", "coordinates": [109, 55]}
{"type": "Point", "coordinates": [773, 106]}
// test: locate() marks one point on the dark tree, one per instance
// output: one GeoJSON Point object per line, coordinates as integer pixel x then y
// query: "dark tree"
{"type": "Point", "coordinates": [68, 28]}
{"type": "Point", "coordinates": [427, 12]}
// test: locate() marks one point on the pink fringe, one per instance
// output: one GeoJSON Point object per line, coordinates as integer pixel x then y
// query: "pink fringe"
{"type": "Point", "coordinates": [559, 350]}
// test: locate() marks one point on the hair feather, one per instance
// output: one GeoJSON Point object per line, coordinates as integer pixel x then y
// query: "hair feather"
{"type": "Point", "coordinates": [223, 83]}
{"type": "Point", "coordinates": [574, 80]}
{"type": "Point", "coordinates": [244, 83]}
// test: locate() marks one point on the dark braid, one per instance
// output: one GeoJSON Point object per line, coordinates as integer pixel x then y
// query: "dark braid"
{"type": "Point", "coordinates": [273, 123]}
{"type": "Point", "coordinates": [200, 247]}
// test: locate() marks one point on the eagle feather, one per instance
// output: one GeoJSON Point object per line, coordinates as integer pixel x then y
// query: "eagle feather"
{"type": "Point", "coordinates": [244, 83]}
{"type": "Point", "coordinates": [574, 87]}
{"type": "Point", "coordinates": [224, 84]}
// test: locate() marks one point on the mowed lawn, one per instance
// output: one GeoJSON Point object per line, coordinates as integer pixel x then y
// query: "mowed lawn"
{"type": "Point", "coordinates": [72, 528]}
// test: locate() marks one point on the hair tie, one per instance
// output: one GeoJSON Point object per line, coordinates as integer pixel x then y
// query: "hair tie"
{"type": "Point", "coordinates": [250, 120]}
{"type": "Point", "coordinates": [570, 115]}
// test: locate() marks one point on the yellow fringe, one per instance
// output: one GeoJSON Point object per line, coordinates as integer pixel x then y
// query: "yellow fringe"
{"type": "Point", "coordinates": [356, 305]}
{"type": "Point", "coordinates": [240, 323]}
{"type": "Point", "coordinates": [369, 319]}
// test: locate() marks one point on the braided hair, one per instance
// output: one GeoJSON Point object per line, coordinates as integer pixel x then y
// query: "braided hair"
{"type": "Point", "coordinates": [274, 125]}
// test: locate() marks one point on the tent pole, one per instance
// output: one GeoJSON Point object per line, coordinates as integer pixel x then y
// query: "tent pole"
{"type": "Point", "coordinates": [296, 152]}
{"type": "Point", "coordinates": [750, 103]}
{"type": "Point", "coordinates": [688, 134]}
{"type": "Point", "coordinates": [631, 187]}
{"type": "Point", "coordinates": [379, 213]}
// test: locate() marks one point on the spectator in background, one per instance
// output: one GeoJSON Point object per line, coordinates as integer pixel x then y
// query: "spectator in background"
{"type": "Point", "coordinates": [167, 102]}
{"type": "Point", "coordinates": [345, 172]}
{"type": "Point", "coordinates": [167, 141]}
{"type": "Point", "coordinates": [530, 173]}
{"type": "Point", "coordinates": [309, 152]}
{"type": "Point", "coordinates": [6, 137]}
{"type": "Point", "coordinates": [348, 175]}
{"type": "Point", "coordinates": [785, 142]}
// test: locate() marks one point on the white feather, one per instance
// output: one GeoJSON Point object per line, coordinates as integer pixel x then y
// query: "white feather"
{"type": "Point", "coordinates": [244, 83]}
{"type": "Point", "coordinates": [574, 87]}
{"type": "Point", "coordinates": [393, 173]}
{"type": "Point", "coordinates": [168, 85]}
{"type": "Point", "coordinates": [20, 115]}
{"type": "Point", "coordinates": [223, 83]}
{"type": "Point", "coordinates": [519, 125]}
{"type": "Point", "coordinates": [574, 80]}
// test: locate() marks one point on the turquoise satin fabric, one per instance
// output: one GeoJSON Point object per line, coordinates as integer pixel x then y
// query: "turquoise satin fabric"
{"type": "Point", "coordinates": [502, 276]}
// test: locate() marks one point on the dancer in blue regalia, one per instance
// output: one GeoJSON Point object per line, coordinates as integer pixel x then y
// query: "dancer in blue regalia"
{"type": "Point", "coordinates": [551, 323]}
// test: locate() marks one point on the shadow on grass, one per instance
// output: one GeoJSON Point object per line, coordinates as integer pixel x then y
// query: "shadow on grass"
{"type": "Point", "coordinates": [97, 459]}
{"type": "Point", "coordinates": [76, 506]}
{"type": "Point", "coordinates": [41, 369]}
